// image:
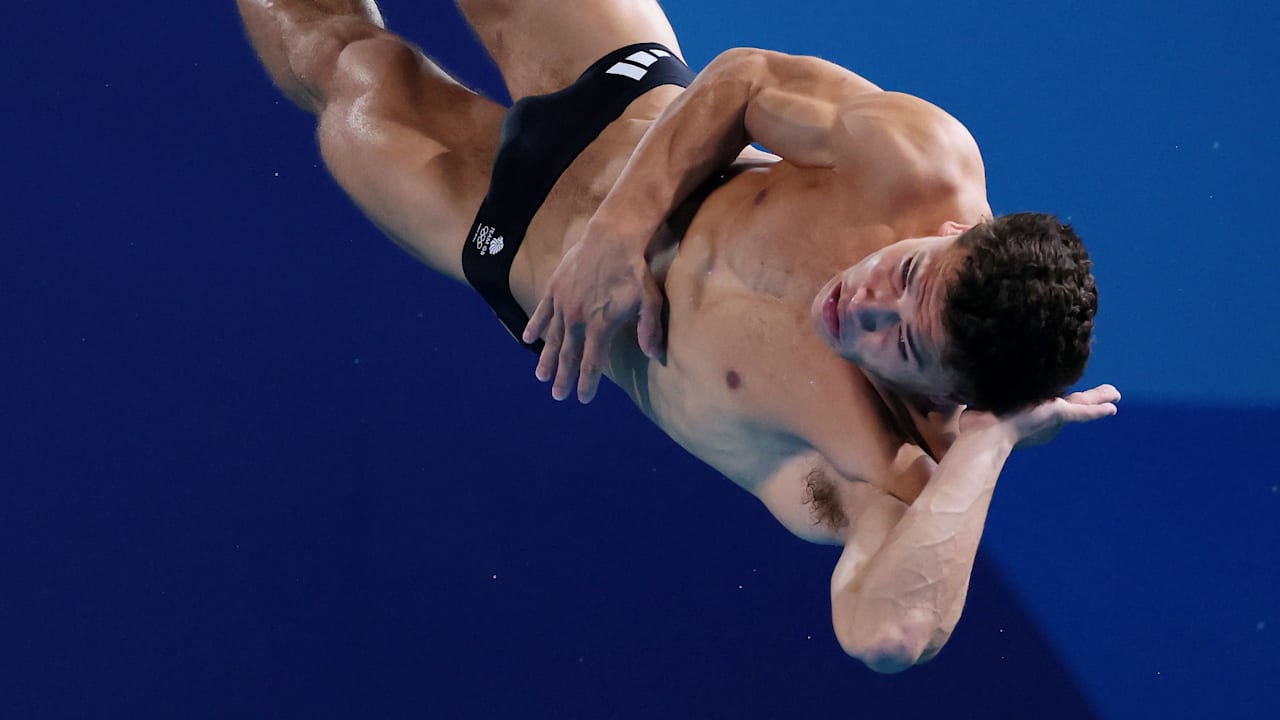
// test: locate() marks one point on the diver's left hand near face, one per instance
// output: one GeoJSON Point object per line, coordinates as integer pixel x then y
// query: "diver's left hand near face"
{"type": "Point", "coordinates": [1040, 423]}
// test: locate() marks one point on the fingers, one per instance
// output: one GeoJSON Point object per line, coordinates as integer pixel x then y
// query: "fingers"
{"type": "Point", "coordinates": [578, 331]}
{"type": "Point", "coordinates": [537, 324]}
{"type": "Point", "coordinates": [570, 364]}
{"type": "Point", "coordinates": [1079, 412]}
{"type": "Point", "coordinates": [589, 375]}
{"type": "Point", "coordinates": [561, 359]}
{"type": "Point", "coordinates": [571, 354]}
{"type": "Point", "coordinates": [1098, 395]}
{"type": "Point", "coordinates": [649, 329]}
{"type": "Point", "coordinates": [550, 352]}
{"type": "Point", "coordinates": [572, 358]}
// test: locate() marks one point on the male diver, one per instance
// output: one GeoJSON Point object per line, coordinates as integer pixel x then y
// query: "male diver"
{"type": "Point", "coordinates": [812, 321]}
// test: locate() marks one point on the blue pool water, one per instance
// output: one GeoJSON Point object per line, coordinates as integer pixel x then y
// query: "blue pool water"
{"type": "Point", "coordinates": [256, 462]}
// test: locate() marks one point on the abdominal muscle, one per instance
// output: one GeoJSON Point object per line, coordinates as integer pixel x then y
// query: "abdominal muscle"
{"type": "Point", "coordinates": [743, 361]}
{"type": "Point", "coordinates": [742, 356]}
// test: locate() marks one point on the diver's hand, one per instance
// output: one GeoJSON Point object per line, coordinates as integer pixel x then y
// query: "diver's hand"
{"type": "Point", "coordinates": [602, 283]}
{"type": "Point", "coordinates": [1040, 423]}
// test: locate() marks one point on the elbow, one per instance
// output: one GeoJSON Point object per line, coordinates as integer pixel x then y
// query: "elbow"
{"type": "Point", "coordinates": [735, 56]}
{"type": "Point", "coordinates": [742, 64]}
{"type": "Point", "coordinates": [887, 648]}
{"type": "Point", "coordinates": [887, 656]}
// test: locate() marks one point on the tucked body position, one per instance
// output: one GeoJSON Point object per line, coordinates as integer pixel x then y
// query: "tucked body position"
{"type": "Point", "coordinates": [838, 325]}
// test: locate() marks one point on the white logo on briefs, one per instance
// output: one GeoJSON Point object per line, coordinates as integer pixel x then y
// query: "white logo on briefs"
{"type": "Point", "coordinates": [636, 66]}
{"type": "Point", "coordinates": [485, 241]}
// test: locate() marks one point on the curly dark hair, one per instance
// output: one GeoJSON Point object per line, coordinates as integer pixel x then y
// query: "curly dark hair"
{"type": "Point", "coordinates": [1019, 313]}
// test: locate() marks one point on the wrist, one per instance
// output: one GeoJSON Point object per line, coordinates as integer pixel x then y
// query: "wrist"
{"type": "Point", "coordinates": [999, 435]}
{"type": "Point", "coordinates": [616, 228]}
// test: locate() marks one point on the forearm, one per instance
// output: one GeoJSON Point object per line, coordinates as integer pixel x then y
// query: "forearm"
{"type": "Point", "coordinates": [903, 605]}
{"type": "Point", "coordinates": [289, 36]}
{"type": "Point", "coordinates": [699, 133]}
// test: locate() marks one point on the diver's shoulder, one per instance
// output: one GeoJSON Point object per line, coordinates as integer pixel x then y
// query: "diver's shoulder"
{"type": "Point", "coordinates": [908, 149]}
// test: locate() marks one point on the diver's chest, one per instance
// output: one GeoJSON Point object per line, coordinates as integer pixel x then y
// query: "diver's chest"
{"type": "Point", "coordinates": [744, 373]}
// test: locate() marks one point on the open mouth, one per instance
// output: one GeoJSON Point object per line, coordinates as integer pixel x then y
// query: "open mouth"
{"type": "Point", "coordinates": [831, 313]}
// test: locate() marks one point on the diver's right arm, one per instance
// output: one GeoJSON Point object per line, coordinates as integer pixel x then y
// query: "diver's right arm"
{"type": "Point", "coordinates": [791, 105]}
{"type": "Point", "coordinates": [810, 112]}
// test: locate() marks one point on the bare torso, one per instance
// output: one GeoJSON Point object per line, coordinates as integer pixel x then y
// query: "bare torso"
{"type": "Point", "coordinates": [747, 385]}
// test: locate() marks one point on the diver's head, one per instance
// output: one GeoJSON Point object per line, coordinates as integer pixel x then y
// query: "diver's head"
{"type": "Point", "coordinates": [1019, 313]}
{"type": "Point", "coordinates": [997, 316]}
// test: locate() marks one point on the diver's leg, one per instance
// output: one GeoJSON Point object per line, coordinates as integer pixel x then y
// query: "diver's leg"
{"type": "Point", "coordinates": [411, 146]}
{"type": "Point", "coordinates": [541, 46]}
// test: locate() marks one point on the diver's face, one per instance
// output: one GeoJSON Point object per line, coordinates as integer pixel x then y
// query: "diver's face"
{"type": "Point", "coordinates": [885, 313]}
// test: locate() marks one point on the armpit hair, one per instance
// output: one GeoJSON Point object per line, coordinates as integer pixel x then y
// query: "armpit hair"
{"type": "Point", "coordinates": [823, 500]}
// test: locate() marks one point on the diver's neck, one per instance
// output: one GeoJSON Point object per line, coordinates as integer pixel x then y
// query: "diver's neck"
{"type": "Point", "coordinates": [920, 418]}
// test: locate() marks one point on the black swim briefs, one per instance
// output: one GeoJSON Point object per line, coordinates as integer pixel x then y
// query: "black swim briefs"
{"type": "Point", "coordinates": [541, 137]}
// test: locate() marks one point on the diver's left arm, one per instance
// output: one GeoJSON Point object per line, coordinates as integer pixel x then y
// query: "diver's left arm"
{"type": "Point", "coordinates": [896, 601]}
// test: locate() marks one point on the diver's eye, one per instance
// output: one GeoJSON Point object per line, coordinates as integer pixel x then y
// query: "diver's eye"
{"type": "Point", "coordinates": [902, 341]}
{"type": "Point", "coordinates": [906, 272]}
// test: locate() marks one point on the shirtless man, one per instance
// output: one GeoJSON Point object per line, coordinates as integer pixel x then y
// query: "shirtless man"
{"type": "Point", "coordinates": [809, 323]}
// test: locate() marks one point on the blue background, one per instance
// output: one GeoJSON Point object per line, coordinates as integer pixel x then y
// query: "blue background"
{"type": "Point", "coordinates": [257, 462]}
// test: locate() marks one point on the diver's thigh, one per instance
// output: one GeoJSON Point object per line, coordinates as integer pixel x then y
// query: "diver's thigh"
{"type": "Point", "coordinates": [412, 147]}
{"type": "Point", "coordinates": [541, 46]}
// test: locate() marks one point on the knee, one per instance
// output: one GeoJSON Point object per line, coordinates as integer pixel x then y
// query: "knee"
{"type": "Point", "coordinates": [344, 56]}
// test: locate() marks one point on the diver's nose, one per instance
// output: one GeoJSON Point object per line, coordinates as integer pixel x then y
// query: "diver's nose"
{"type": "Point", "coordinates": [872, 316]}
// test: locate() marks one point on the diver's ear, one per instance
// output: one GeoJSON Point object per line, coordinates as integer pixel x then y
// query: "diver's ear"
{"type": "Point", "coordinates": [950, 228]}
